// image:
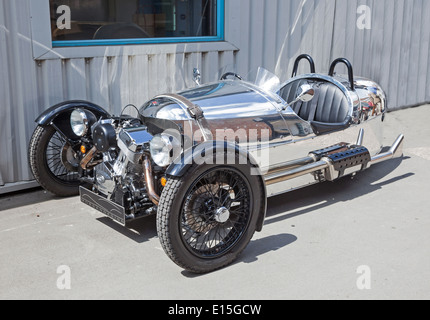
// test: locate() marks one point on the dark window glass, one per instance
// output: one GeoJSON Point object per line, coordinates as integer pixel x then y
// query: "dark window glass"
{"type": "Point", "coordinates": [132, 19]}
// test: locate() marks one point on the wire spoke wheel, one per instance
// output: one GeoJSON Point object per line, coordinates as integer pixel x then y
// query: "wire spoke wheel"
{"type": "Point", "coordinates": [61, 159]}
{"type": "Point", "coordinates": [208, 215]}
{"type": "Point", "coordinates": [53, 162]}
{"type": "Point", "coordinates": [215, 213]}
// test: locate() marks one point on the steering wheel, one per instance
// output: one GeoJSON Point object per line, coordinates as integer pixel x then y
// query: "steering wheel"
{"type": "Point", "coordinates": [228, 74]}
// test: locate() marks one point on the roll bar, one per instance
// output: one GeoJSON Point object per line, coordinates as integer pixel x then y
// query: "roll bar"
{"type": "Point", "coordinates": [348, 65]}
{"type": "Point", "coordinates": [301, 57]}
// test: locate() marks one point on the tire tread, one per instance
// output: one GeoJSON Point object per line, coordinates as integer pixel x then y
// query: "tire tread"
{"type": "Point", "coordinates": [37, 168]}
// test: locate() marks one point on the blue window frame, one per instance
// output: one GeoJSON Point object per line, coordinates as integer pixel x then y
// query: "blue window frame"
{"type": "Point", "coordinates": [214, 32]}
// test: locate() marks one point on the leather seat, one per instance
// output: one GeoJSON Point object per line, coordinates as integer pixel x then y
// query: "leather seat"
{"type": "Point", "coordinates": [332, 105]}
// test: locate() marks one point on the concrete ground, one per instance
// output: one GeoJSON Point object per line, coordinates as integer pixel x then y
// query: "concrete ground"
{"type": "Point", "coordinates": [366, 238]}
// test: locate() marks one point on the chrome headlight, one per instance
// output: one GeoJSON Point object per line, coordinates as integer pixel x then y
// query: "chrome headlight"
{"type": "Point", "coordinates": [164, 149]}
{"type": "Point", "coordinates": [79, 122]}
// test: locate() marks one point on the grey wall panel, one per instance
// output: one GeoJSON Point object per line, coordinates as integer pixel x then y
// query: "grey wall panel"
{"type": "Point", "coordinates": [394, 51]}
{"type": "Point", "coordinates": [19, 90]}
{"type": "Point", "coordinates": [273, 33]}
{"type": "Point", "coordinates": [5, 130]}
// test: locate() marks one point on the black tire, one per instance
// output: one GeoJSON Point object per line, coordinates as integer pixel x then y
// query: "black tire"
{"type": "Point", "coordinates": [46, 157]}
{"type": "Point", "coordinates": [199, 240]}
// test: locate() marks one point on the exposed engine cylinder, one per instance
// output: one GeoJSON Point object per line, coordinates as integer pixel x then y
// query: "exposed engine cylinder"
{"type": "Point", "coordinates": [121, 176]}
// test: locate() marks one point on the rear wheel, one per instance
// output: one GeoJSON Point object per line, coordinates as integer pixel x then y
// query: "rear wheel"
{"type": "Point", "coordinates": [53, 162]}
{"type": "Point", "coordinates": [207, 218]}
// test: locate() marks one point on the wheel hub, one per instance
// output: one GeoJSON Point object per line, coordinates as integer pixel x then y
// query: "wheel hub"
{"type": "Point", "coordinates": [69, 159]}
{"type": "Point", "coordinates": [222, 215]}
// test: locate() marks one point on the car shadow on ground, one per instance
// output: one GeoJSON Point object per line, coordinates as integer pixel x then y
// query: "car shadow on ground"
{"type": "Point", "coordinates": [25, 198]}
{"type": "Point", "coordinates": [140, 231]}
{"type": "Point", "coordinates": [255, 249]}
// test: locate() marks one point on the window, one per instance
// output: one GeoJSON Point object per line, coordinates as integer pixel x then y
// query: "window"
{"type": "Point", "coordinates": [119, 22]}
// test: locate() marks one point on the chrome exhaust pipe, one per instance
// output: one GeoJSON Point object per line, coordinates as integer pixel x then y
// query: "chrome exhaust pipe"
{"type": "Point", "coordinates": [293, 169]}
{"type": "Point", "coordinates": [360, 137]}
{"type": "Point", "coordinates": [396, 151]}
{"type": "Point", "coordinates": [295, 173]}
{"type": "Point", "coordinates": [292, 165]}
{"type": "Point", "coordinates": [149, 180]}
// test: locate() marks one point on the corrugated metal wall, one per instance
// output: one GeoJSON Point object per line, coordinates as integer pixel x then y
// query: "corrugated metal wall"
{"type": "Point", "coordinates": [269, 33]}
{"type": "Point", "coordinates": [395, 52]}
{"type": "Point", "coordinates": [18, 90]}
{"type": "Point", "coordinates": [115, 81]}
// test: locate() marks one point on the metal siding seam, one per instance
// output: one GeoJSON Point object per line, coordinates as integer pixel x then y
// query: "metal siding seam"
{"type": "Point", "coordinates": [99, 81]}
{"type": "Point", "coordinates": [387, 48]}
{"type": "Point", "coordinates": [170, 79]}
{"type": "Point", "coordinates": [395, 58]}
{"type": "Point", "coordinates": [124, 84]}
{"type": "Point", "coordinates": [179, 73]}
{"type": "Point", "coordinates": [64, 63]}
{"type": "Point", "coordinates": [306, 30]}
{"type": "Point", "coordinates": [111, 74]}
{"type": "Point", "coordinates": [427, 28]}
{"type": "Point", "coordinates": [162, 72]}
{"type": "Point", "coordinates": [5, 120]}
{"type": "Point", "coordinates": [76, 81]}
{"type": "Point", "coordinates": [415, 48]}
{"type": "Point", "coordinates": [279, 30]}
{"type": "Point", "coordinates": [269, 31]}
{"type": "Point", "coordinates": [245, 43]}
{"type": "Point", "coordinates": [213, 69]}
{"type": "Point", "coordinates": [376, 43]}
{"type": "Point", "coordinates": [333, 31]}
{"type": "Point", "coordinates": [18, 166]}
{"type": "Point", "coordinates": [423, 76]}
{"type": "Point", "coordinates": [88, 79]}
{"type": "Point", "coordinates": [118, 83]}
{"type": "Point", "coordinates": [53, 80]}
{"type": "Point", "coordinates": [402, 95]}
{"type": "Point", "coordinates": [281, 63]}
{"type": "Point", "coordinates": [328, 18]}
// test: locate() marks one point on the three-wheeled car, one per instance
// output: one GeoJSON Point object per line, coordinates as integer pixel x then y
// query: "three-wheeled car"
{"type": "Point", "coordinates": [205, 160]}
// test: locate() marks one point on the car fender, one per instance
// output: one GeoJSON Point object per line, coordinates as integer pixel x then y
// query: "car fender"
{"type": "Point", "coordinates": [59, 115]}
{"type": "Point", "coordinates": [54, 112]}
{"type": "Point", "coordinates": [220, 150]}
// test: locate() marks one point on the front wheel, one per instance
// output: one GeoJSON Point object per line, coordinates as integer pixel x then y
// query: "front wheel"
{"type": "Point", "coordinates": [207, 218]}
{"type": "Point", "coordinates": [53, 162]}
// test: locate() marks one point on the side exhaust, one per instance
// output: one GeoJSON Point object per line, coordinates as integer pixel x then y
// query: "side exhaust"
{"type": "Point", "coordinates": [295, 173]}
{"type": "Point", "coordinates": [335, 164]}
{"type": "Point", "coordinates": [153, 196]}
{"type": "Point", "coordinates": [396, 151]}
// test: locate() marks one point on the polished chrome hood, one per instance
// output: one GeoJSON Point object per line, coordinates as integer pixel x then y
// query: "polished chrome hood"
{"type": "Point", "coordinates": [224, 99]}
{"type": "Point", "coordinates": [226, 105]}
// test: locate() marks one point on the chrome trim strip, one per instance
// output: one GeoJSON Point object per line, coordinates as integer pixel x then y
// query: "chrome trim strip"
{"type": "Point", "coordinates": [188, 105]}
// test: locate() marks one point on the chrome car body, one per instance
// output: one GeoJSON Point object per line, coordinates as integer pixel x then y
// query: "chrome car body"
{"type": "Point", "coordinates": [242, 112]}
{"type": "Point", "coordinates": [205, 160]}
